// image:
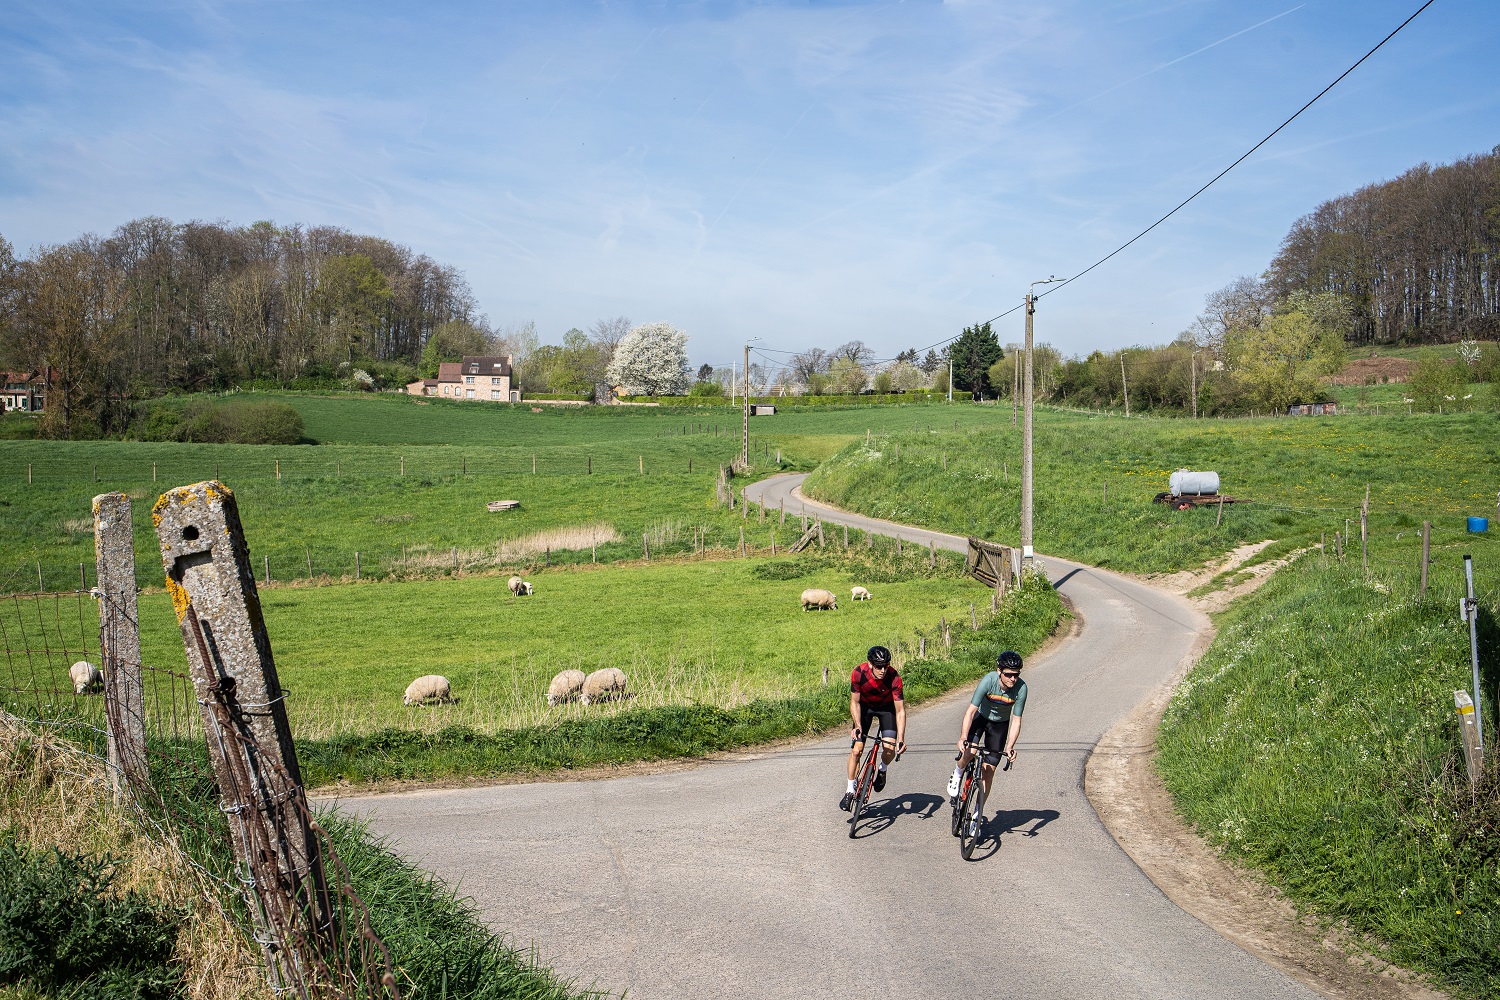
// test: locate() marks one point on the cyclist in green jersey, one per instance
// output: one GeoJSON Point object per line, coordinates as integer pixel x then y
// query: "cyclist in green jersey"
{"type": "Point", "coordinates": [993, 718]}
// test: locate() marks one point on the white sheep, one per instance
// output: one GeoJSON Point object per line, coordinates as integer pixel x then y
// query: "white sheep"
{"type": "Point", "coordinates": [429, 688]}
{"type": "Point", "coordinates": [819, 600]}
{"type": "Point", "coordinates": [566, 686]}
{"type": "Point", "coordinates": [860, 594]}
{"type": "Point", "coordinates": [607, 684]}
{"type": "Point", "coordinates": [86, 678]}
{"type": "Point", "coordinates": [518, 586]}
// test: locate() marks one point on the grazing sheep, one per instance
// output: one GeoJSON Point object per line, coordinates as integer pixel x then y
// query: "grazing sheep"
{"type": "Point", "coordinates": [860, 594]}
{"type": "Point", "coordinates": [86, 678]}
{"type": "Point", "coordinates": [819, 600]}
{"type": "Point", "coordinates": [429, 688]}
{"type": "Point", "coordinates": [518, 586]}
{"type": "Point", "coordinates": [566, 686]}
{"type": "Point", "coordinates": [603, 685]}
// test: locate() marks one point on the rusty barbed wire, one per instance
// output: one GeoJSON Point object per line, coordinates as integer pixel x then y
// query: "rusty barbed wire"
{"type": "Point", "coordinates": [317, 940]}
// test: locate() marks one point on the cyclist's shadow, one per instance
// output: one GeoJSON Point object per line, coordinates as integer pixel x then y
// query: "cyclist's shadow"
{"type": "Point", "coordinates": [877, 816]}
{"type": "Point", "coordinates": [1026, 822]}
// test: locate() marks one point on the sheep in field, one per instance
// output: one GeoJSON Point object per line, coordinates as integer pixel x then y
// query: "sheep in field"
{"type": "Point", "coordinates": [566, 686]}
{"type": "Point", "coordinates": [860, 594]}
{"type": "Point", "coordinates": [86, 677]}
{"type": "Point", "coordinates": [819, 600]}
{"type": "Point", "coordinates": [518, 586]}
{"type": "Point", "coordinates": [603, 685]}
{"type": "Point", "coordinates": [429, 688]}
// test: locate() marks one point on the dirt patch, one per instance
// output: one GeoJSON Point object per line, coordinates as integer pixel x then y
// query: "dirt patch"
{"type": "Point", "coordinates": [1374, 371]}
{"type": "Point", "coordinates": [1122, 783]}
{"type": "Point", "coordinates": [1188, 580]}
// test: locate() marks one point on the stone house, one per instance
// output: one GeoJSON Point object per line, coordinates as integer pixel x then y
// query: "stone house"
{"type": "Point", "coordinates": [476, 377]}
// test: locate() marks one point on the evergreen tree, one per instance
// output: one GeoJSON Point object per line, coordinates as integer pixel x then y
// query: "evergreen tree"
{"type": "Point", "coordinates": [975, 350]}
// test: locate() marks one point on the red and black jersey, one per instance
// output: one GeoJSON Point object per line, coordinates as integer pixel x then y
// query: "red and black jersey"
{"type": "Point", "coordinates": [873, 693]}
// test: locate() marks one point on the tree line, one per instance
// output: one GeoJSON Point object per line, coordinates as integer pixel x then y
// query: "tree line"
{"type": "Point", "coordinates": [158, 306]}
{"type": "Point", "coordinates": [1416, 258]}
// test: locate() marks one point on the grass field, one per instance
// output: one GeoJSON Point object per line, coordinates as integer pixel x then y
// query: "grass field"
{"type": "Point", "coordinates": [716, 632]}
{"type": "Point", "coordinates": [1304, 476]}
{"type": "Point", "coordinates": [405, 503]}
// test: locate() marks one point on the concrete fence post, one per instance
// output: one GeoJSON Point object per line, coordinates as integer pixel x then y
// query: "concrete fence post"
{"type": "Point", "coordinates": [211, 581]}
{"type": "Point", "coordinates": [120, 644]}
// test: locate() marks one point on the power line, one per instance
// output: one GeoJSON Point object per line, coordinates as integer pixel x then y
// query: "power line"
{"type": "Point", "coordinates": [1237, 162]}
{"type": "Point", "coordinates": [1182, 204]}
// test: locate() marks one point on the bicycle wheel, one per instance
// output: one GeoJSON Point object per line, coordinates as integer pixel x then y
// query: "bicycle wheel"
{"type": "Point", "coordinates": [965, 782]}
{"type": "Point", "coordinates": [862, 786]}
{"type": "Point", "coordinates": [968, 834]}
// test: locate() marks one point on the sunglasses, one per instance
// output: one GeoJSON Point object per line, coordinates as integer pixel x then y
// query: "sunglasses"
{"type": "Point", "coordinates": [1010, 673]}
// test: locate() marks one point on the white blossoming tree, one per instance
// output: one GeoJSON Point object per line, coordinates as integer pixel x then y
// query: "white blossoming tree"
{"type": "Point", "coordinates": [651, 360]}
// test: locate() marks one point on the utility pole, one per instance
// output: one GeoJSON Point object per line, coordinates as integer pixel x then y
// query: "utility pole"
{"type": "Point", "coordinates": [1015, 390]}
{"type": "Point", "coordinates": [745, 440]}
{"type": "Point", "coordinates": [950, 373]}
{"type": "Point", "coordinates": [1026, 549]}
{"type": "Point", "coordinates": [1124, 383]}
{"type": "Point", "coordinates": [1193, 359]}
{"type": "Point", "coordinates": [1026, 434]}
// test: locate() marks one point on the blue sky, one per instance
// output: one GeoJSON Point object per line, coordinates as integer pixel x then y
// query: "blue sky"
{"type": "Point", "coordinates": [806, 173]}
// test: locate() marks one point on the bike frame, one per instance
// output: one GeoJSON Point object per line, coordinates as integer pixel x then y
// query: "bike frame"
{"type": "Point", "coordinates": [969, 802]}
{"type": "Point", "coordinates": [864, 775]}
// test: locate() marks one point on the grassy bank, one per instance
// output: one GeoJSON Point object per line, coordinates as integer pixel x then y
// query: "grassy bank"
{"type": "Point", "coordinates": [623, 734]}
{"type": "Point", "coordinates": [1317, 741]}
{"type": "Point", "coordinates": [1095, 478]}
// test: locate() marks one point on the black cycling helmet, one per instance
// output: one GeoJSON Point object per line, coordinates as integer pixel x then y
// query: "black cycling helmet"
{"type": "Point", "coordinates": [880, 656]}
{"type": "Point", "coordinates": [1009, 660]}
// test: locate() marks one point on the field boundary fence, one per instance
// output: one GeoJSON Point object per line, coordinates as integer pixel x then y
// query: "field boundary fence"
{"type": "Point", "coordinates": [188, 754]}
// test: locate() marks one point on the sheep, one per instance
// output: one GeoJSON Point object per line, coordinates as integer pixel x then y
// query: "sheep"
{"type": "Point", "coordinates": [860, 594]}
{"type": "Point", "coordinates": [86, 677]}
{"type": "Point", "coordinates": [518, 586]}
{"type": "Point", "coordinates": [429, 688]}
{"type": "Point", "coordinates": [607, 684]}
{"type": "Point", "coordinates": [819, 600]}
{"type": "Point", "coordinates": [566, 686]}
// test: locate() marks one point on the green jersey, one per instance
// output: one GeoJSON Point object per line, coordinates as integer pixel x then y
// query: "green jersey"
{"type": "Point", "coordinates": [997, 702]}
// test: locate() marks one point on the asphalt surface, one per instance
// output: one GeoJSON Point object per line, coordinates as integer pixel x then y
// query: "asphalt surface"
{"type": "Point", "coordinates": [739, 879]}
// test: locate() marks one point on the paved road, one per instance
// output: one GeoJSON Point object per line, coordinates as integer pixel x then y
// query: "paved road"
{"type": "Point", "coordinates": [738, 878]}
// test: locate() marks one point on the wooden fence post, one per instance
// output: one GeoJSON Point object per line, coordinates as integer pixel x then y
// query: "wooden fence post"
{"type": "Point", "coordinates": [645, 547]}
{"type": "Point", "coordinates": [973, 618]}
{"type": "Point", "coordinates": [1220, 516]}
{"type": "Point", "coordinates": [742, 541]}
{"type": "Point", "coordinates": [1364, 531]}
{"type": "Point", "coordinates": [931, 554]}
{"type": "Point", "coordinates": [846, 537]}
{"type": "Point", "coordinates": [308, 550]}
{"type": "Point", "coordinates": [120, 644]}
{"type": "Point", "coordinates": [1426, 553]}
{"type": "Point", "coordinates": [212, 584]}
{"type": "Point", "coordinates": [356, 565]}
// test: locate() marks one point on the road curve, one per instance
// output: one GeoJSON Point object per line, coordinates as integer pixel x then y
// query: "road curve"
{"type": "Point", "coordinates": [738, 878]}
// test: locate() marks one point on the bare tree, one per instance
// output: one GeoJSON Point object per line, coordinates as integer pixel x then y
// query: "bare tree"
{"type": "Point", "coordinates": [854, 351]}
{"type": "Point", "coordinates": [804, 366]}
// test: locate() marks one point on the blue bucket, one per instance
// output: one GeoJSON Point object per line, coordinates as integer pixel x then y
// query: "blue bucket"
{"type": "Point", "coordinates": [1478, 524]}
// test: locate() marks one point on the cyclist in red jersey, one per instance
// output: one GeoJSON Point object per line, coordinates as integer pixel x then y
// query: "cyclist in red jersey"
{"type": "Point", "coordinates": [875, 698]}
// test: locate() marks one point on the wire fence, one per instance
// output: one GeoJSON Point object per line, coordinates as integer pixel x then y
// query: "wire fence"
{"type": "Point", "coordinates": [55, 677]}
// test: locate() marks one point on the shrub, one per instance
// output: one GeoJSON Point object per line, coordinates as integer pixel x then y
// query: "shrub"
{"type": "Point", "coordinates": [203, 421]}
{"type": "Point", "coordinates": [62, 925]}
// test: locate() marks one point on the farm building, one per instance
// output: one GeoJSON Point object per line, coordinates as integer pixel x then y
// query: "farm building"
{"type": "Point", "coordinates": [1328, 408]}
{"type": "Point", "coordinates": [22, 391]}
{"type": "Point", "coordinates": [486, 377]}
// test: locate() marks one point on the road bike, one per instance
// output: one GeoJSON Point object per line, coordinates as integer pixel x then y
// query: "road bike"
{"type": "Point", "coordinates": [968, 804]}
{"type": "Point", "coordinates": [864, 776]}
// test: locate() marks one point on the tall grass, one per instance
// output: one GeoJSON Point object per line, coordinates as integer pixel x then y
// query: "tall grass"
{"type": "Point", "coordinates": [1317, 741]}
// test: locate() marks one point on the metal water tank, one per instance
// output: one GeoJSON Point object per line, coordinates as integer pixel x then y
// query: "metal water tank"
{"type": "Point", "coordinates": [1186, 483]}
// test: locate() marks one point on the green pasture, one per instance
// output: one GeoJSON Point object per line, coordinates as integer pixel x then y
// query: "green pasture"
{"type": "Point", "coordinates": [1096, 476]}
{"type": "Point", "coordinates": [405, 505]}
{"type": "Point", "coordinates": [1317, 740]}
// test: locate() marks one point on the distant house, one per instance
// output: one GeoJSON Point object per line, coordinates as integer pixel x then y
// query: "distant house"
{"type": "Point", "coordinates": [762, 410]}
{"type": "Point", "coordinates": [22, 391]}
{"type": "Point", "coordinates": [1328, 408]}
{"type": "Point", "coordinates": [478, 377]}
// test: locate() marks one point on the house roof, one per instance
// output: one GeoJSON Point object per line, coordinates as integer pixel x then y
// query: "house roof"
{"type": "Point", "coordinates": [486, 364]}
